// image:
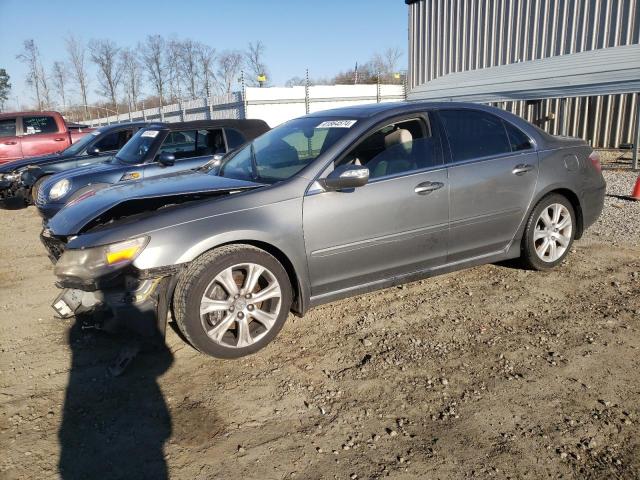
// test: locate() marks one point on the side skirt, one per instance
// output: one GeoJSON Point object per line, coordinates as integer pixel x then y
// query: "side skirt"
{"type": "Point", "coordinates": [510, 253]}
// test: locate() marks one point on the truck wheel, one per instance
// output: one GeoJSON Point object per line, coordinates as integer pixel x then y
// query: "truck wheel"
{"type": "Point", "coordinates": [232, 301]}
{"type": "Point", "coordinates": [549, 233]}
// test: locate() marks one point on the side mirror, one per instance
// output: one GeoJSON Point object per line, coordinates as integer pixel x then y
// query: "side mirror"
{"type": "Point", "coordinates": [346, 177]}
{"type": "Point", "coordinates": [167, 159]}
{"type": "Point", "coordinates": [93, 151]}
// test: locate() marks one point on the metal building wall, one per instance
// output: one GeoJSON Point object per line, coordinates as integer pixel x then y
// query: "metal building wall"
{"type": "Point", "coordinates": [447, 36]}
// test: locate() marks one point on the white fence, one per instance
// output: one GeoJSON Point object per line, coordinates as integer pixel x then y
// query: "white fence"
{"type": "Point", "coordinates": [274, 105]}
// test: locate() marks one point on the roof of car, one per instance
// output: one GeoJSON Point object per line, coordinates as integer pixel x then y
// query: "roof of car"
{"type": "Point", "coordinates": [116, 126]}
{"type": "Point", "coordinates": [20, 114]}
{"type": "Point", "coordinates": [371, 109]}
{"type": "Point", "coordinates": [249, 127]}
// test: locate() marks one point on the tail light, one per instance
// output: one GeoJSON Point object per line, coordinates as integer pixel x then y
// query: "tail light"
{"type": "Point", "coordinates": [594, 158]}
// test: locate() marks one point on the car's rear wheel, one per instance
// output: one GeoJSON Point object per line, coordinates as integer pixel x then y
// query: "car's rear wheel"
{"type": "Point", "coordinates": [549, 232]}
{"type": "Point", "coordinates": [232, 301]}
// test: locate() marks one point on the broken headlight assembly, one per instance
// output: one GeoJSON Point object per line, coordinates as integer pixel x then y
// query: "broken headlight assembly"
{"type": "Point", "coordinates": [11, 176]}
{"type": "Point", "coordinates": [59, 189]}
{"type": "Point", "coordinates": [95, 262]}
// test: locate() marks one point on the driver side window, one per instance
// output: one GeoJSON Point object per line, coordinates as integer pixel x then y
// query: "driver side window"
{"type": "Point", "coordinates": [398, 148]}
{"type": "Point", "coordinates": [181, 144]}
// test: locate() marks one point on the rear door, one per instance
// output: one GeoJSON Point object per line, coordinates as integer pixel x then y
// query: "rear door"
{"type": "Point", "coordinates": [191, 148]}
{"type": "Point", "coordinates": [10, 142]}
{"type": "Point", "coordinates": [493, 171]}
{"type": "Point", "coordinates": [41, 134]}
{"type": "Point", "coordinates": [395, 224]}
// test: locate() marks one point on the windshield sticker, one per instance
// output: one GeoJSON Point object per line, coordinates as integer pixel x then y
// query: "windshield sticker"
{"type": "Point", "coordinates": [337, 124]}
{"type": "Point", "coordinates": [150, 133]}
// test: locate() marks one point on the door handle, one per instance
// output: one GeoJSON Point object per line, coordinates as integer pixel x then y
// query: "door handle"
{"type": "Point", "coordinates": [521, 169]}
{"type": "Point", "coordinates": [10, 143]}
{"type": "Point", "coordinates": [58, 139]}
{"type": "Point", "coordinates": [427, 187]}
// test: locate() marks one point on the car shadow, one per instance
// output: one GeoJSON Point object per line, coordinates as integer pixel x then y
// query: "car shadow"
{"type": "Point", "coordinates": [113, 426]}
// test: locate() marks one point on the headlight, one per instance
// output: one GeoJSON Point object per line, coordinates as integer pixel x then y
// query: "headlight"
{"type": "Point", "coordinates": [60, 189]}
{"type": "Point", "coordinates": [95, 262]}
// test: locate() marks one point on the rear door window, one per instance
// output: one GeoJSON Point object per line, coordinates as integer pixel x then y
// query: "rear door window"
{"type": "Point", "coordinates": [474, 134]}
{"type": "Point", "coordinates": [209, 142]}
{"type": "Point", "coordinates": [8, 127]}
{"type": "Point", "coordinates": [39, 124]}
{"type": "Point", "coordinates": [518, 139]}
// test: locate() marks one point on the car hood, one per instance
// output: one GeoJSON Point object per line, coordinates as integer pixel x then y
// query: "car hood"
{"type": "Point", "coordinates": [135, 196]}
{"type": "Point", "coordinates": [106, 164]}
{"type": "Point", "coordinates": [25, 162]}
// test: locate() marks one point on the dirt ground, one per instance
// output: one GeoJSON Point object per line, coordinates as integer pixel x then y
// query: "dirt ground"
{"type": "Point", "coordinates": [490, 372]}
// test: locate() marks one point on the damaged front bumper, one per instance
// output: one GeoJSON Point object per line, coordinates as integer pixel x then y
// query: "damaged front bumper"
{"type": "Point", "coordinates": [13, 195]}
{"type": "Point", "coordinates": [136, 300]}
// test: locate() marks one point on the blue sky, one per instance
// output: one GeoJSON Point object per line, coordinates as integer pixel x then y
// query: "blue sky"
{"type": "Point", "coordinates": [326, 36]}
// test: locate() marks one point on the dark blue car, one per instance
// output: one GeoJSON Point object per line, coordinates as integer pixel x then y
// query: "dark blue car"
{"type": "Point", "coordinates": [153, 151]}
{"type": "Point", "coordinates": [18, 178]}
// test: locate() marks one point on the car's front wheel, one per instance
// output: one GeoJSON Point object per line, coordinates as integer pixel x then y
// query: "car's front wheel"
{"type": "Point", "coordinates": [549, 232]}
{"type": "Point", "coordinates": [232, 301]}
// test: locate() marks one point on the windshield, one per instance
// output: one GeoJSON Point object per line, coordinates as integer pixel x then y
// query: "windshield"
{"type": "Point", "coordinates": [136, 149]}
{"type": "Point", "coordinates": [79, 146]}
{"type": "Point", "coordinates": [284, 151]}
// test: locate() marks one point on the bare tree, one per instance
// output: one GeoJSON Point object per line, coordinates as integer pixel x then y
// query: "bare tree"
{"type": "Point", "coordinates": [254, 57]}
{"type": "Point", "coordinates": [295, 82]}
{"type": "Point", "coordinates": [104, 53]}
{"type": "Point", "coordinates": [229, 65]}
{"type": "Point", "coordinates": [172, 53]}
{"type": "Point", "coordinates": [206, 58]}
{"type": "Point", "coordinates": [189, 65]}
{"type": "Point", "coordinates": [60, 75]}
{"type": "Point", "coordinates": [132, 76]}
{"type": "Point", "coordinates": [30, 56]}
{"type": "Point", "coordinates": [5, 87]}
{"type": "Point", "coordinates": [392, 56]}
{"type": "Point", "coordinates": [77, 57]}
{"type": "Point", "coordinates": [152, 54]}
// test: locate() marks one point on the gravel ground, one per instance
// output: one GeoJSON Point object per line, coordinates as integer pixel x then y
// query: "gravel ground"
{"type": "Point", "coordinates": [491, 372]}
{"type": "Point", "coordinates": [619, 223]}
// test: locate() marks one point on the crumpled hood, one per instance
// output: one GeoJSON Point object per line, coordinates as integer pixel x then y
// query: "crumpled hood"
{"type": "Point", "coordinates": [25, 162]}
{"type": "Point", "coordinates": [72, 218]}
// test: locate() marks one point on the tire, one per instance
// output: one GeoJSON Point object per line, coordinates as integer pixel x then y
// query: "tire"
{"type": "Point", "coordinates": [547, 242]}
{"type": "Point", "coordinates": [36, 187]}
{"type": "Point", "coordinates": [222, 332]}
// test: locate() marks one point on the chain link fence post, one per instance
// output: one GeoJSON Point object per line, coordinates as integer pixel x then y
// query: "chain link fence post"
{"type": "Point", "coordinates": [307, 100]}
{"type": "Point", "coordinates": [635, 164]}
{"type": "Point", "coordinates": [378, 87]}
{"type": "Point", "coordinates": [243, 92]}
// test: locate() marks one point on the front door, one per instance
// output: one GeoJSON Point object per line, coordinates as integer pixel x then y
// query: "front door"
{"type": "Point", "coordinates": [10, 148]}
{"type": "Point", "coordinates": [492, 177]}
{"type": "Point", "coordinates": [396, 224]}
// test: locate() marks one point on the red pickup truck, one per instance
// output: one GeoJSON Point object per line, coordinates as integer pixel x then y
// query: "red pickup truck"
{"type": "Point", "coordinates": [31, 134]}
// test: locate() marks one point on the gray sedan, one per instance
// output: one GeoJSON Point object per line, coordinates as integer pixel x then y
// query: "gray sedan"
{"type": "Point", "coordinates": [323, 207]}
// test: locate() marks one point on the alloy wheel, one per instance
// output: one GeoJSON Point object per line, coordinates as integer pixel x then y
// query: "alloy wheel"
{"type": "Point", "coordinates": [240, 305]}
{"type": "Point", "coordinates": [552, 233]}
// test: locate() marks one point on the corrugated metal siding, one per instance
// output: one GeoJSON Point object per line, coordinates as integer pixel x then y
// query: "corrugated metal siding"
{"type": "Point", "coordinates": [447, 36]}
